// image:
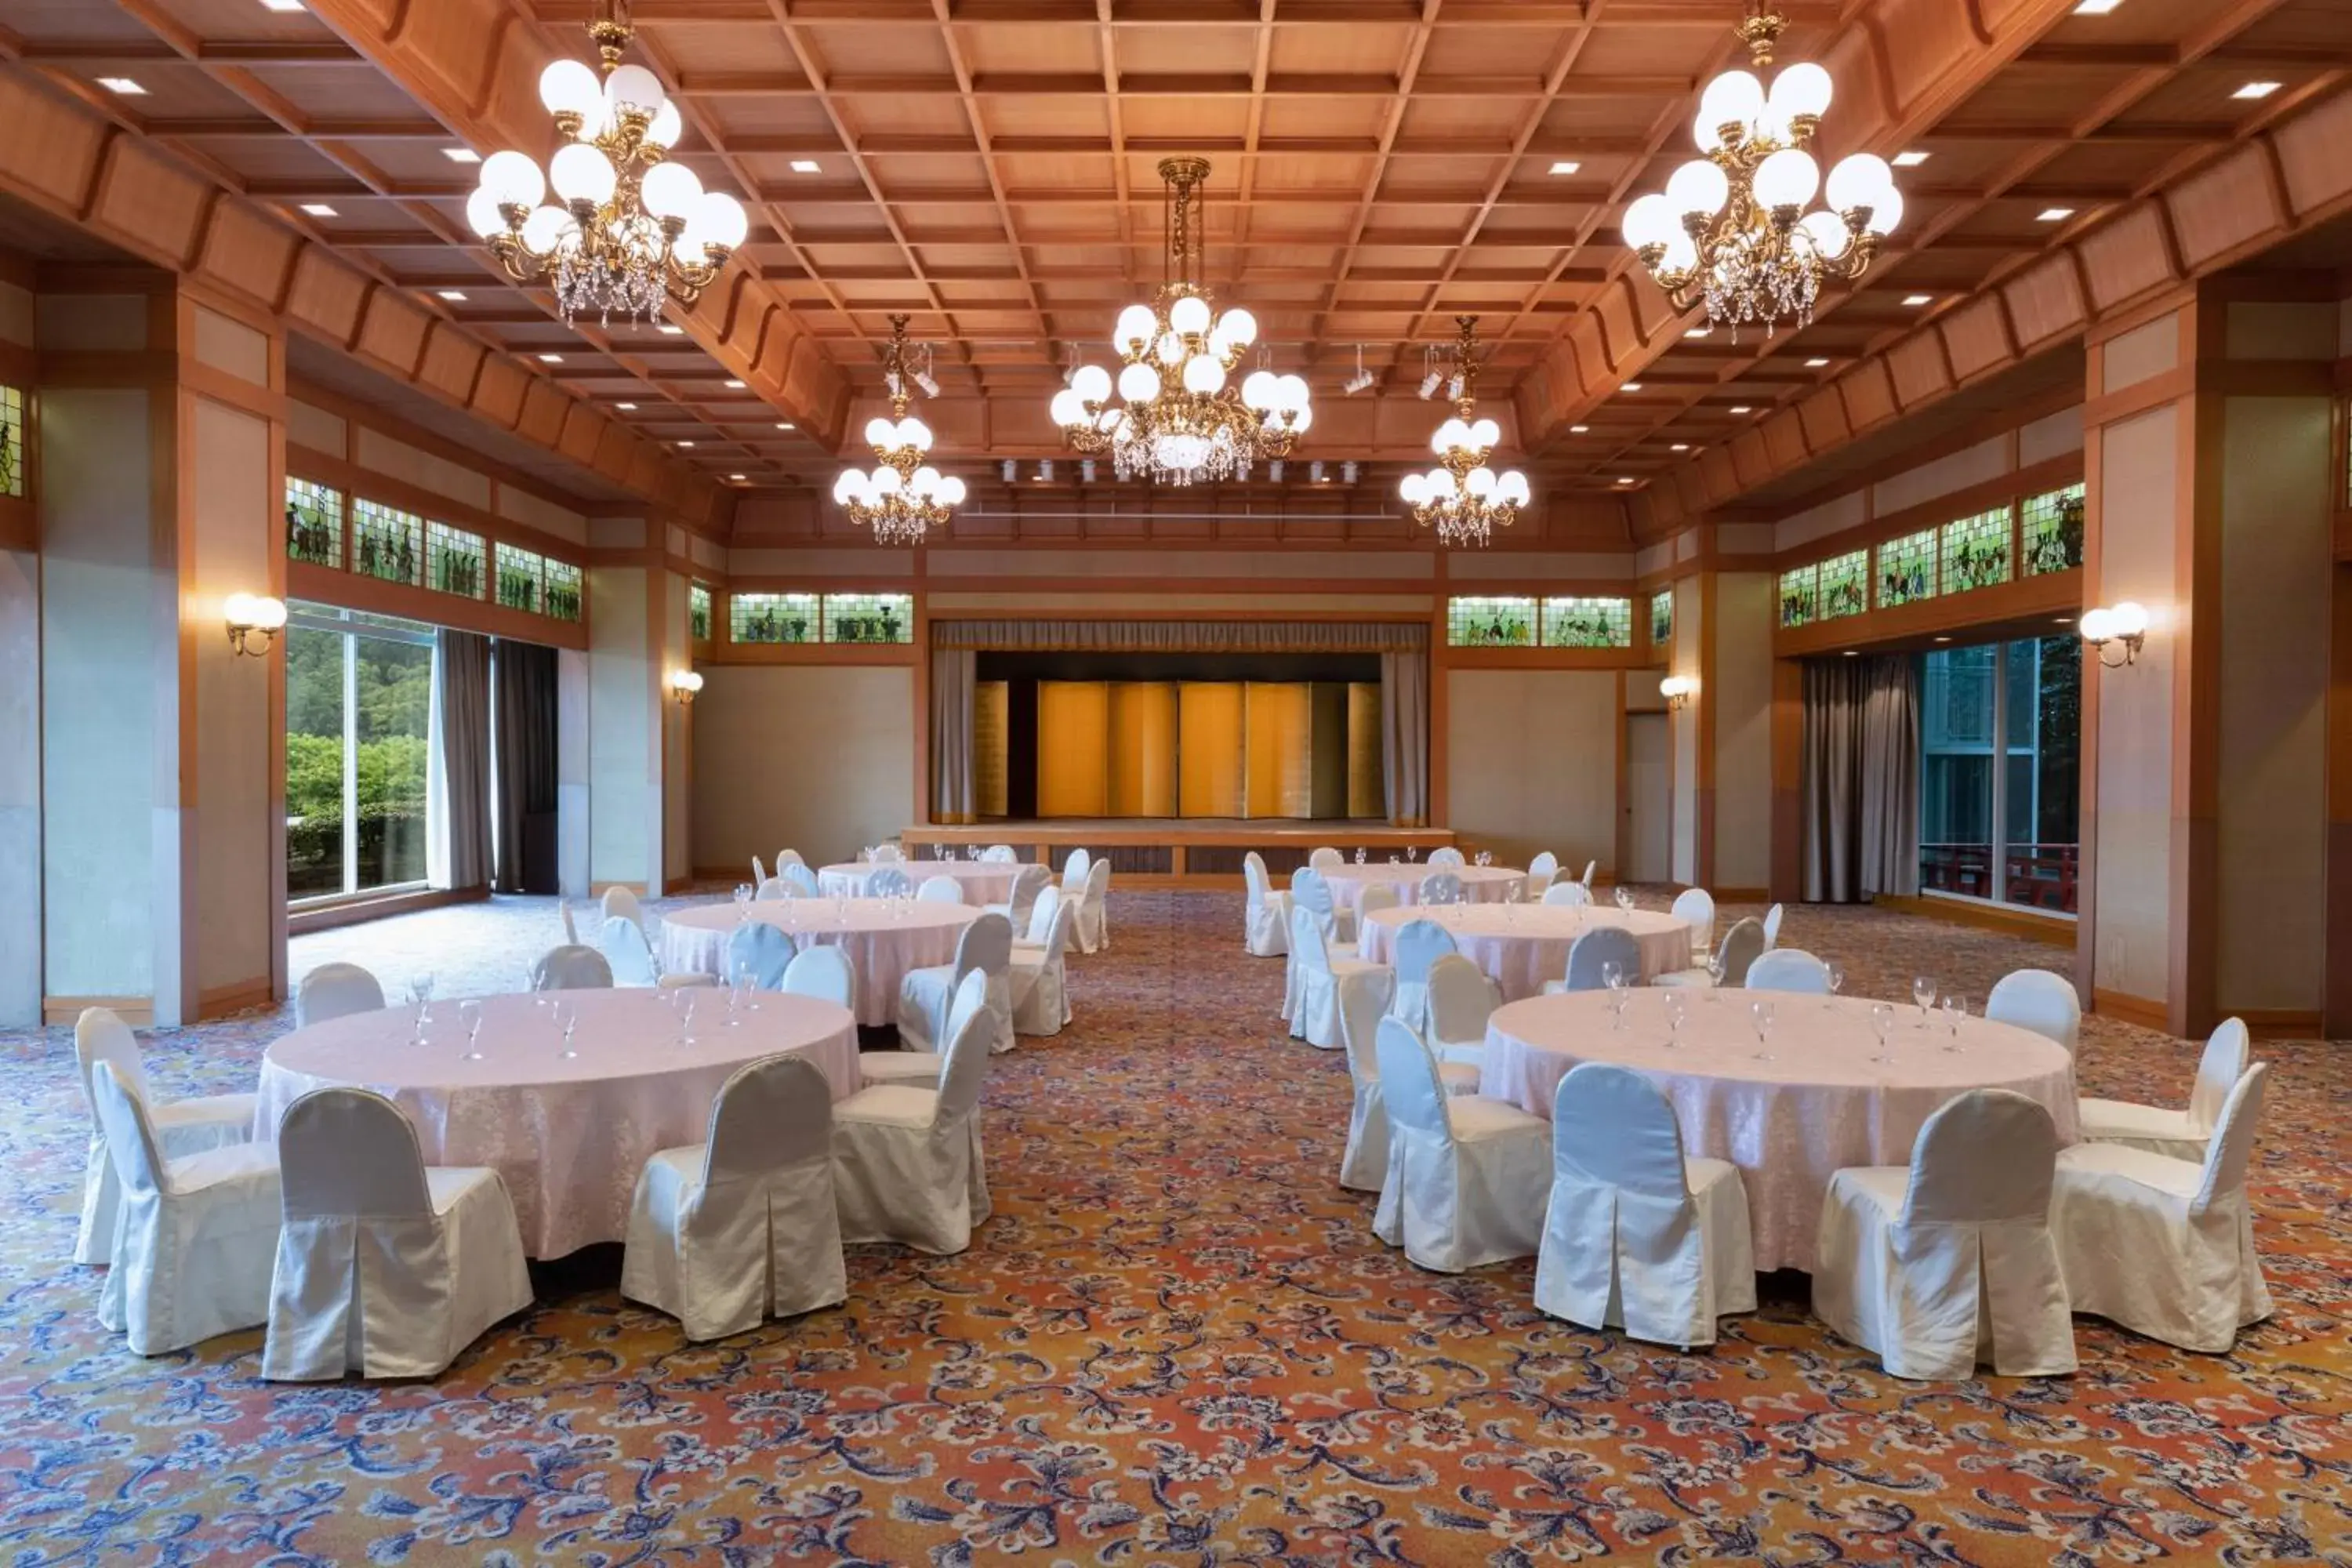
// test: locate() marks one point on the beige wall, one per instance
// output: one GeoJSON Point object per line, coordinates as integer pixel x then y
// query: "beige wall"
{"type": "Point", "coordinates": [1740, 702]}
{"type": "Point", "coordinates": [817, 758]}
{"type": "Point", "coordinates": [624, 765]}
{"type": "Point", "coordinates": [1685, 660]}
{"type": "Point", "coordinates": [20, 789]}
{"type": "Point", "coordinates": [1531, 762]}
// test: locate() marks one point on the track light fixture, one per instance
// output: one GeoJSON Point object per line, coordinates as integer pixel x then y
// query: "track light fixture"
{"type": "Point", "coordinates": [1362, 378]}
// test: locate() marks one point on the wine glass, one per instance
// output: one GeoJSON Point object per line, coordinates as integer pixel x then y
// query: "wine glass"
{"type": "Point", "coordinates": [1923, 992]}
{"type": "Point", "coordinates": [1837, 979]}
{"type": "Point", "coordinates": [1624, 900]}
{"type": "Point", "coordinates": [1613, 975]}
{"type": "Point", "coordinates": [1362, 854]}
{"type": "Point", "coordinates": [420, 996]}
{"type": "Point", "coordinates": [685, 995]}
{"type": "Point", "coordinates": [1955, 1008]}
{"type": "Point", "coordinates": [1411, 853]}
{"type": "Point", "coordinates": [1716, 971]}
{"type": "Point", "coordinates": [1761, 1011]}
{"type": "Point", "coordinates": [567, 1018]}
{"type": "Point", "coordinates": [1677, 1014]}
{"type": "Point", "coordinates": [736, 986]}
{"type": "Point", "coordinates": [469, 1014]}
{"type": "Point", "coordinates": [743, 891]}
{"type": "Point", "coordinates": [1881, 1023]}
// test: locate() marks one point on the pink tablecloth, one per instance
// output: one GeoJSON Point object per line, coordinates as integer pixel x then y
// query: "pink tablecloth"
{"type": "Point", "coordinates": [1790, 1123]}
{"type": "Point", "coordinates": [568, 1136]}
{"type": "Point", "coordinates": [1520, 946]}
{"type": "Point", "coordinates": [984, 882]}
{"type": "Point", "coordinates": [1480, 883]}
{"type": "Point", "coordinates": [883, 940]}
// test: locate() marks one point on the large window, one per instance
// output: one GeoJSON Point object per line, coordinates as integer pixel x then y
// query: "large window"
{"type": "Point", "coordinates": [358, 711]}
{"type": "Point", "coordinates": [2000, 804]}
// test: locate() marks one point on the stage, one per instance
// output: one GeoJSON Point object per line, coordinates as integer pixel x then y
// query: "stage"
{"type": "Point", "coordinates": [1184, 852]}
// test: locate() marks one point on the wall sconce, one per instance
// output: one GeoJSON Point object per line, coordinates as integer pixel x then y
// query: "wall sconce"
{"type": "Point", "coordinates": [683, 684]}
{"type": "Point", "coordinates": [2126, 623]}
{"type": "Point", "coordinates": [1677, 689]}
{"type": "Point", "coordinates": [253, 619]}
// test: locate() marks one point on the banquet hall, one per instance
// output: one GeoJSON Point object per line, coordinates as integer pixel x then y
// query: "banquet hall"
{"type": "Point", "coordinates": [1424, 782]}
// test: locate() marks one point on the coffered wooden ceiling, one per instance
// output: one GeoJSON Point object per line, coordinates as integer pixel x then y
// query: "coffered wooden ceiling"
{"type": "Point", "coordinates": [1380, 167]}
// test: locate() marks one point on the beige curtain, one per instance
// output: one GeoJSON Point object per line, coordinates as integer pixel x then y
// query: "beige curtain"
{"type": "Point", "coordinates": [953, 795]}
{"type": "Point", "coordinates": [1860, 778]}
{"type": "Point", "coordinates": [458, 851]}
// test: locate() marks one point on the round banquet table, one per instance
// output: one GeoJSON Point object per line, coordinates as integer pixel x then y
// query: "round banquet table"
{"type": "Point", "coordinates": [1521, 946]}
{"type": "Point", "coordinates": [883, 940]}
{"type": "Point", "coordinates": [1480, 883]}
{"type": "Point", "coordinates": [569, 1137]}
{"type": "Point", "coordinates": [984, 882]}
{"type": "Point", "coordinates": [1790, 1123]}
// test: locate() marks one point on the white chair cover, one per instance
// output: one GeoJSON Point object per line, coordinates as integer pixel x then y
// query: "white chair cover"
{"type": "Point", "coordinates": [758, 954]}
{"type": "Point", "coordinates": [1375, 897]}
{"type": "Point", "coordinates": [571, 967]}
{"type": "Point", "coordinates": [1697, 905]}
{"type": "Point", "coordinates": [924, 995]}
{"type": "Point", "coordinates": [1790, 969]}
{"type": "Point", "coordinates": [940, 889]}
{"type": "Point", "coordinates": [1924, 1266]}
{"type": "Point", "coordinates": [2038, 1000]}
{"type": "Point", "coordinates": [182, 1128]}
{"type": "Point", "coordinates": [1315, 974]}
{"type": "Point", "coordinates": [194, 1238]}
{"type": "Point", "coordinates": [571, 932]}
{"type": "Point", "coordinates": [1326, 858]}
{"type": "Point", "coordinates": [1467, 1175]}
{"type": "Point", "coordinates": [1041, 917]}
{"type": "Point", "coordinates": [1267, 911]}
{"type": "Point", "coordinates": [1441, 888]}
{"type": "Point", "coordinates": [1039, 990]}
{"type": "Point", "coordinates": [1540, 872]}
{"type": "Point", "coordinates": [1027, 883]}
{"type": "Point", "coordinates": [1461, 999]}
{"type": "Point", "coordinates": [1309, 890]}
{"type": "Point", "coordinates": [2166, 1246]}
{"type": "Point", "coordinates": [822, 972]}
{"type": "Point", "coordinates": [787, 857]}
{"type": "Point", "coordinates": [775, 889]}
{"type": "Point", "coordinates": [622, 902]}
{"type": "Point", "coordinates": [1574, 895]}
{"type": "Point", "coordinates": [759, 872]}
{"type": "Point", "coordinates": [1743, 945]}
{"type": "Point", "coordinates": [804, 880]}
{"type": "Point", "coordinates": [1075, 865]}
{"type": "Point", "coordinates": [1092, 929]}
{"type": "Point", "coordinates": [2159, 1129]}
{"type": "Point", "coordinates": [905, 1159]}
{"type": "Point", "coordinates": [1000, 855]}
{"type": "Point", "coordinates": [886, 855]}
{"type": "Point", "coordinates": [1772, 928]}
{"type": "Point", "coordinates": [742, 1227]}
{"type": "Point", "coordinates": [1587, 879]}
{"type": "Point", "coordinates": [889, 882]}
{"type": "Point", "coordinates": [1447, 857]}
{"type": "Point", "coordinates": [384, 1268]}
{"type": "Point", "coordinates": [1419, 944]}
{"type": "Point", "coordinates": [1589, 955]}
{"type": "Point", "coordinates": [924, 1067]}
{"type": "Point", "coordinates": [1637, 1235]}
{"type": "Point", "coordinates": [1363, 995]}
{"type": "Point", "coordinates": [631, 956]}
{"type": "Point", "coordinates": [335, 991]}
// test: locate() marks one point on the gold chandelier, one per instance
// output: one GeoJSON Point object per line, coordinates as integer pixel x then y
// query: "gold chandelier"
{"type": "Point", "coordinates": [904, 498]}
{"type": "Point", "coordinates": [1462, 497]}
{"type": "Point", "coordinates": [1178, 421]}
{"type": "Point", "coordinates": [629, 230]}
{"type": "Point", "coordinates": [1731, 229]}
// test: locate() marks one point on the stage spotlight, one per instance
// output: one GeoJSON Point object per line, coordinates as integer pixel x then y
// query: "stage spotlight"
{"type": "Point", "coordinates": [1429, 384]}
{"type": "Point", "coordinates": [1274, 470]}
{"type": "Point", "coordinates": [1362, 378]}
{"type": "Point", "coordinates": [931, 387]}
{"type": "Point", "coordinates": [1044, 470]}
{"type": "Point", "coordinates": [1348, 471]}
{"type": "Point", "coordinates": [1012, 469]}
{"type": "Point", "coordinates": [1087, 469]}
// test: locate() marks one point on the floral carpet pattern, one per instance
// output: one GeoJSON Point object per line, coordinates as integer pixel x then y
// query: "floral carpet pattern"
{"type": "Point", "coordinates": [1178, 1342]}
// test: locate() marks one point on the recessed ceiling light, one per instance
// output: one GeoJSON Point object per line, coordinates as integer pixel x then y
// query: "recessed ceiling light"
{"type": "Point", "coordinates": [2065, 620]}
{"type": "Point", "coordinates": [281, 4]}
{"type": "Point", "coordinates": [1624, 478]}
{"type": "Point", "coordinates": [1815, 362]}
{"type": "Point", "coordinates": [805, 166]}
{"type": "Point", "coordinates": [1742, 408]}
{"type": "Point", "coordinates": [670, 329]}
{"type": "Point", "coordinates": [2256, 89]}
{"type": "Point", "coordinates": [737, 478]}
{"type": "Point", "coordinates": [319, 209]}
{"type": "Point", "coordinates": [551, 359]}
{"type": "Point", "coordinates": [1852, 653]}
{"type": "Point", "coordinates": [2095, 7]}
{"type": "Point", "coordinates": [2053, 215]}
{"type": "Point", "coordinates": [121, 84]}
{"type": "Point", "coordinates": [1565, 167]}
{"type": "Point", "coordinates": [783, 424]}
{"type": "Point", "coordinates": [1578, 429]}
{"type": "Point", "coordinates": [1919, 298]}
{"type": "Point", "coordinates": [461, 154]}
{"type": "Point", "coordinates": [1679, 447]}
{"type": "Point", "coordinates": [1698, 331]}
{"type": "Point", "coordinates": [1912, 159]}
{"type": "Point", "coordinates": [686, 443]}
{"type": "Point", "coordinates": [1631, 386]}
{"type": "Point", "coordinates": [1942, 639]}
{"type": "Point", "coordinates": [627, 407]}
{"type": "Point", "coordinates": [734, 385]}
{"type": "Point", "coordinates": [451, 293]}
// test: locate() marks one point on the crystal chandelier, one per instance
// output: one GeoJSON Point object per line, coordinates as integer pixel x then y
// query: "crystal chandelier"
{"type": "Point", "coordinates": [904, 498]}
{"type": "Point", "coordinates": [629, 230]}
{"type": "Point", "coordinates": [1731, 229]}
{"type": "Point", "coordinates": [1179, 422]}
{"type": "Point", "coordinates": [1463, 499]}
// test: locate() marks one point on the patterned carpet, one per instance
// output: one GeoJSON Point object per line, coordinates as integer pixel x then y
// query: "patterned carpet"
{"type": "Point", "coordinates": [1177, 1343]}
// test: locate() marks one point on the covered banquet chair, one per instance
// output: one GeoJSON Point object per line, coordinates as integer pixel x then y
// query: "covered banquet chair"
{"type": "Point", "coordinates": [1743, 945]}
{"type": "Point", "coordinates": [1696, 907]}
{"type": "Point", "coordinates": [1265, 931]}
{"type": "Point", "coordinates": [1790, 969]}
{"type": "Point", "coordinates": [2182, 1134]}
{"type": "Point", "coordinates": [571, 967]}
{"type": "Point", "coordinates": [802, 880]}
{"type": "Point", "coordinates": [823, 972]}
{"type": "Point", "coordinates": [182, 1127]}
{"type": "Point", "coordinates": [631, 958]}
{"type": "Point", "coordinates": [1540, 872]}
{"type": "Point", "coordinates": [905, 1157]}
{"type": "Point", "coordinates": [1446, 857]}
{"type": "Point", "coordinates": [758, 954]}
{"type": "Point", "coordinates": [1091, 930]}
{"type": "Point", "coordinates": [1419, 943]}
{"type": "Point", "coordinates": [1036, 983]}
{"type": "Point", "coordinates": [1590, 955]}
{"type": "Point", "coordinates": [1467, 1175]}
{"type": "Point", "coordinates": [1364, 1159]}
{"type": "Point", "coordinates": [1442, 887]}
{"type": "Point", "coordinates": [1574, 894]}
{"type": "Point", "coordinates": [1462, 997]}
{"type": "Point", "coordinates": [924, 995]}
{"type": "Point", "coordinates": [2038, 1000]}
{"type": "Point", "coordinates": [1370, 901]}
{"type": "Point", "coordinates": [1315, 976]}
{"type": "Point", "coordinates": [1027, 883]}
{"type": "Point", "coordinates": [335, 991]}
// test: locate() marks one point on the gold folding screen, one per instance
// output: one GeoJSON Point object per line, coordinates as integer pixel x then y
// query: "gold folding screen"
{"type": "Point", "coordinates": [1073, 741]}
{"type": "Point", "coordinates": [1207, 748]}
{"type": "Point", "coordinates": [1142, 760]}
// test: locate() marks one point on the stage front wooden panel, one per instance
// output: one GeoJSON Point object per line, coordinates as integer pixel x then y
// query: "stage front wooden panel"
{"type": "Point", "coordinates": [1209, 748]}
{"type": "Point", "coordinates": [1367, 784]}
{"type": "Point", "coordinates": [1279, 738]}
{"type": "Point", "coordinates": [1073, 739]}
{"type": "Point", "coordinates": [1142, 761]}
{"type": "Point", "coordinates": [990, 734]}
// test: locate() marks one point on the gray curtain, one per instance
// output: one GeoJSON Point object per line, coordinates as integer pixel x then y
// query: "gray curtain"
{"type": "Point", "coordinates": [461, 722]}
{"type": "Point", "coordinates": [1184, 636]}
{"type": "Point", "coordinates": [1860, 778]}
{"type": "Point", "coordinates": [1404, 736]}
{"type": "Point", "coordinates": [525, 775]}
{"type": "Point", "coordinates": [952, 796]}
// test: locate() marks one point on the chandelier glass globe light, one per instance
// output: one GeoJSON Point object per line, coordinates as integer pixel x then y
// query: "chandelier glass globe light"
{"type": "Point", "coordinates": [904, 498]}
{"type": "Point", "coordinates": [627, 229]}
{"type": "Point", "coordinates": [1178, 419]}
{"type": "Point", "coordinates": [1731, 229]}
{"type": "Point", "coordinates": [1462, 497]}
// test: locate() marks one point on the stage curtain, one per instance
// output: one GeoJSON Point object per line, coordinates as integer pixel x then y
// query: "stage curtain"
{"type": "Point", "coordinates": [458, 780]}
{"type": "Point", "coordinates": [1143, 748]}
{"type": "Point", "coordinates": [952, 793]}
{"type": "Point", "coordinates": [523, 767]}
{"type": "Point", "coordinates": [1209, 748]}
{"type": "Point", "coordinates": [992, 702]}
{"type": "Point", "coordinates": [1184, 637]}
{"type": "Point", "coordinates": [1073, 741]}
{"type": "Point", "coordinates": [1860, 778]}
{"type": "Point", "coordinates": [1279, 738]}
{"type": "Point", "coordinates": [1365, 796]}
{"type": "Point", "coordinates": [1405, 737]}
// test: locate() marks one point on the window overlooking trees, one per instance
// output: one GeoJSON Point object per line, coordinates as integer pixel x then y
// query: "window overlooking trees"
{"type": "Point", "coordinates": [358, 714]}
{"type": "Point", "coordinates": [2000, 793]}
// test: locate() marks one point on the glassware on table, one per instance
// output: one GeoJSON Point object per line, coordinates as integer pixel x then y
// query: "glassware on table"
{"type": "Point", "coordinates": [1361, 854]}
{"type": "Point", "coordinates": [735, 991]}
{"type": "Point", "coordinates": [1881, 1023]}
{"type": "Point", "coordinates": [683, 998]}
{"type": "Point", "coordinates": [743, 891]}
{"type": "Point", "coordinates": [1411, 853]}
{"type": "Point", "coordinates": [1677, 1014]}
{"type": "Point", "coordinates": [1613, 975]}
{"type": "Point", "coordinates": [1837, 979]}
{"type": "Point", "coordinates": [1392, 859]}
{"type": "Point", "coordinates": [1761, 1011]}
{"type": "Point", "coordinates": [567, 1018]}
{"type": "Point", "coordinates": [420, 996]}
{"type": "Point", "coordinates": [1716, 971]}
{"type": "Point", "coordinates": [470, 1013]}
{"type": "Point", "coordinates": [1955, 1008]}
{"type": "Point", "coordinates": [1923, 992]}
{"type": "Point", "coordinates": [1624, 900]}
